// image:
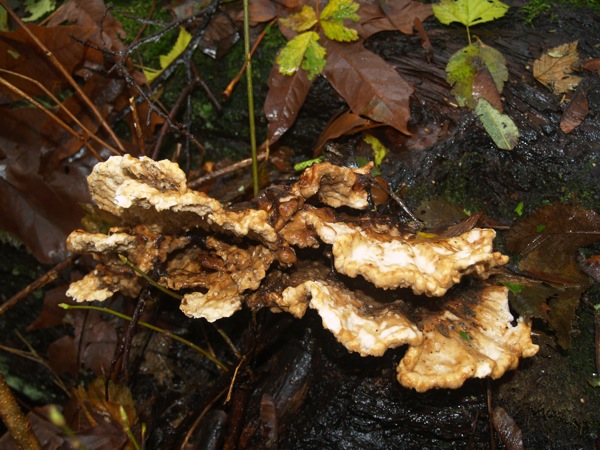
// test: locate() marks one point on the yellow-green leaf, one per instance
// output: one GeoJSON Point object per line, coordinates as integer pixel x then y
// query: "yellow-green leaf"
{"type": "Point", "coordinates": [379, 150]}
{"type": "Point", "coordinates": [469, 12]}
{"type": "Point", "coordinates": [181, 44]}
{"type": "Point", "coordinates": [336, 31]}
{"type": "Point", "coordinates": [340, 10]}
{"type": "Point", "coordinates": [302, 51]}
{"type": "Point", "coordinates": [332, 20]}
{"type": "Point", "coordinates": [499, 126]}
{"type": "Point", "coordinates": [39, 8]}
{"type": "Point", "coordinates": [301, 21]}
{"type": "Point", "coordinates": [460, 70]}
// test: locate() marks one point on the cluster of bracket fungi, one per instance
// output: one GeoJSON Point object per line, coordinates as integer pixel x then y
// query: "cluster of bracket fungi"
{"type": "Point", "coordinates": [253, 255]}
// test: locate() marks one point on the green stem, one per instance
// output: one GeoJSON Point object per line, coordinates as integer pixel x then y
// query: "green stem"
{"type": "Point", "coordinates": [250, 97]}
{"type": "Point", "coordinates": [150, 327]}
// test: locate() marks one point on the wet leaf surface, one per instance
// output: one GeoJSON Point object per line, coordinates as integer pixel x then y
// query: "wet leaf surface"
{"type": "Point", "coordinates": [369, 85]}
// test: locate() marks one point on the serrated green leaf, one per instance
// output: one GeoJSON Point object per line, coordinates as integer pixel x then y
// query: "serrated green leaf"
{"type": "Point", "coordinates": [183, 39]}
{"type": "Point", "coordinates": [332, 20]}
{"type": "Point", "coordinates": [301, 21]}
{"type": "Point", "coordinates": [379, 150]}
{"type": "Point", "coordinates": [302, 51]}
{"type": "Point", "coordinates": [469, 12]}
{"type": "Point", "coordinates": [340, 10]}
{"type": "Point", "coordinates": [499, 126]}
{"type": "Point", "coordinates": [38, 9]}
{"type": "Point", "coordinates": [461, 70]}
{"type": "Point", "coordinates": [338, 32]}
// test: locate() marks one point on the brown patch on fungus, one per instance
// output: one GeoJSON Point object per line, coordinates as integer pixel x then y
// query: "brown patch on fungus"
{"type": "Point", "coordinates": [251, 259]}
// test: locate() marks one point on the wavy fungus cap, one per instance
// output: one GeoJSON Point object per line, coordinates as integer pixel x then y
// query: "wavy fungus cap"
{"type": "Point", "coordinates": [249, 256]}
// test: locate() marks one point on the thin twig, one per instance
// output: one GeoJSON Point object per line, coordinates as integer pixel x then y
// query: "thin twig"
{"type": "Point", "coordinates": [233, 83]}
{"type": "Point", "coordinates": [50, 114]}
{"type": "Point", "coordinates": [88, 133]}
{"type": "Point", "coordinates": [225, 170]}
{"type": "Point", "coordinates": [54, 60]}
{"type": "Point", "coordinates": [48, 277]}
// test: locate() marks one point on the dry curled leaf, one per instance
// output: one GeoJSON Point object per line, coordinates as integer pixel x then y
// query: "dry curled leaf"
{"type": "Point", "coordinates": [554, 68]}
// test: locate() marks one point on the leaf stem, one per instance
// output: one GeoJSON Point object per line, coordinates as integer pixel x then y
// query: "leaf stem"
{"type": "Point", "coordinates": [250, 97]}
{"type": "Point", "coordinates": [150, 327]}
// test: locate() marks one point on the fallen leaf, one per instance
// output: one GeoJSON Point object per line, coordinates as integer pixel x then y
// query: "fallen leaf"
{"type": "Point", "coordinates": [403, 13]}
{"type": "Point", "coordinates": [593, 65]}
{"type": "Point", "coordinates": [343, 124]}
{"type": "Point", "coordinates": [500, 127]}
{"type": "Point", "coordinates": [93, 16]}
{"type": "Point", "coordinates": [183, 39]}
{"type": "Point", "coordinates": [471, 62]}
{"type": "Point", "coordinates": [575, 113]}
{"type": "Point", "coordinates": [507, 429]}
{"type": "Point", "coordinates": [554, 68]}
{"type": "Point", "coordinates": [548, 253]}
{"type": "Point", "coordinates": [484, 85]}
{"type": "Point", "coordinates": [561, 315]}
{"type": "Point", "coordinates": [285, 98]}
{"type": "Point", "coordinates": [374, 20]}
{"type": "Point", "coordinates": [370, 86]}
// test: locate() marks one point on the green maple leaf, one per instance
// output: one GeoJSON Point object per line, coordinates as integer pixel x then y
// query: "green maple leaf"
{"type": "Point", "coordinates": [302, 51]}
{"type": "Point", "coordinates": [469, 12]}
{"type": "Point", "coordinates": [301, 21]}
{"type": "Point", "coordinates": [332, 20]}
{"type": "Point", "coordinates": [461, 70]}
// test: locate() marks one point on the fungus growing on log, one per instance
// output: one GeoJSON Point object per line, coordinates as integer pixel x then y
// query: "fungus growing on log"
{"type": "Point", "coordinates": [249, 256]}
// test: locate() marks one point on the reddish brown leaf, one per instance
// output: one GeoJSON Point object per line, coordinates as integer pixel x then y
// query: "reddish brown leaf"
{"type": "Point", "coordinates": [562, 313]}
{"type": "Point", "coordinates": [549, 238]}
{"type": "Point", "coordinates": [38, 209]}
{"type": "Point", "coordinates": [484, 85]}
{"type": "Point", "coordinates": [388, 15]}
{"type": "Point", "coordinates": [507, 429]}
{"type": "Point", "coordinates": [370, 86]}
{"type": "Point", "coordinates": [93, 16]}
{"type": "Point", "coordinates": [593, 65]}
{"type": "Point", "coordinates": [575, 113]}
{"type": "Point", "coordinates": [92, 345]}
{"type": "Point", "coordinates": [18, 53]}
{"type": "Point", "coordinates": [344, 123]}
{"type": "Point", "coordinates": [284, 100]}
{"type": "Point", "coordinates": [219, 36]}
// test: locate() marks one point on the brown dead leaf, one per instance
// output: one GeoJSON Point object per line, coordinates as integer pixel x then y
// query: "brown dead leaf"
{"type": "Point", "coordinates": [370, 86]}
{"type": "Point", "coordinates": [562, 313]}
{"type": "Point", "coordinates": [284, 100]}
{"type": "Point", "coordinates": [507, 429]}
{"type": "Point", "coordinates": [575, 113]}
{"type": "Point", "coordinates": [484, 85]}
{"type": "Point", "coordinates": [593, 65]}
{"type": "Point", "coordinates": [389, 15]}
{"type": "Point", "coordinates": [93, 16]}
{"type": "Point", "coordinates": [92, 345]}
{"type": "Point", "coordinates": [549, 238]}
{"type": "Point", "coordinates": [18, 53]}
{"type": "Point", "coordinates": [554, 68]}
{"type": "Point", "coordinates": [345, 123]}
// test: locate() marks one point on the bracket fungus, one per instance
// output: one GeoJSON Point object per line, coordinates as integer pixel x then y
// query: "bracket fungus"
{"type": "Point", "coordinates": [389, 288]}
